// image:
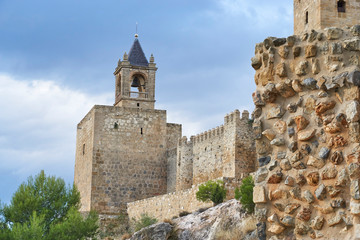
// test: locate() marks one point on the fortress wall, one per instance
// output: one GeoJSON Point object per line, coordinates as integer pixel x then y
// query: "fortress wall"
{"type": "Point", "coordinates": [173, 133]}
{"type": "Point", "coordinates": [170, 205]}
{"type": "Point", "coordinates": [306, 126]}
{"type": "Point", "coordinates": [208, 155]}
{"type": "Point", "coordinates": [130, 156]}
{"type": "Point", "coordinates": [184, 162]}
{"type": "Point", "coordinates": [84, 161]}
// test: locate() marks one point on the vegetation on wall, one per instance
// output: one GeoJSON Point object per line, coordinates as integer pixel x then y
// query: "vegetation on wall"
{"type": "Point", "coordinates": [45, 208]}
{"type": "Point", "coordinates": [144, 221]}
{"type": "Point", "coordinates": [245, 194]}
{"type": "Point", "coordinates": [212, 191]}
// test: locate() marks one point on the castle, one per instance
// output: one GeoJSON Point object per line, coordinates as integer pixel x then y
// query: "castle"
{"type": "Point", "coordinates": [303, 147]}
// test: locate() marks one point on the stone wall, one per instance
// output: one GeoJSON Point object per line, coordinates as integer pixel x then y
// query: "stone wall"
{"type": "Point", "coordinates": [307, 135]}
{"type": "Point", "coordinates": [323, 14]}
{"type": "Point", "coordinates": [171, 204]}
{"type": "Point", "coordinates": [173, 134]}
{"type": "Point", "coordinates": [129, 157]}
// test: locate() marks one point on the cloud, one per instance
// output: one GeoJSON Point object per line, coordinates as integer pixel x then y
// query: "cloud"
{"type": "Point", "coordinates": [38, 119]}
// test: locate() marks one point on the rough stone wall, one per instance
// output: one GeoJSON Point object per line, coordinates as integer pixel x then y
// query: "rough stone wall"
{"type": "Point", "coordinates": [129, 160]}
{"type": "Point", "coordinates": [84, 160]}
{"type": "Point", "coordinates": [171, 204]}
{"type": "Point", "coordinates": [323, 14]}
{"type": "Point", "coordinates": [184, 162]}
{"type": "Point", "coordinates": [173, 134]}
{"type": "Point", "coordinates": [307, 135]}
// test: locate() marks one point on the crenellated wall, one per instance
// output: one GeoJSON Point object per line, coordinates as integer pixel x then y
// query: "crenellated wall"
{"type": "Point", "coordinates": [306, 125]}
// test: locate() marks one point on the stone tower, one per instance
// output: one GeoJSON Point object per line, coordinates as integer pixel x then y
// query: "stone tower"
{"type": "Point", "coordinates": [122, 151]}
{"type": "Point", "coordinates": [320, 14]}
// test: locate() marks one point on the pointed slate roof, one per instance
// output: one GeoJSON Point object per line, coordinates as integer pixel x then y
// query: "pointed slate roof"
{"type": "Point", "coordinates": [136, 55]}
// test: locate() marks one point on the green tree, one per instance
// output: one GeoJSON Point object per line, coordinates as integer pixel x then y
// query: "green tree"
{"type": "Point", "coordinates": [245, 194]}
{"type": "Point", "coordinates": [212, 191]}
{"type": "Point", "coordinates": [43, 207]}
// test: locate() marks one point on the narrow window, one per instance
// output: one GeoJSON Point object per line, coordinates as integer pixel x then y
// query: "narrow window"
{"type": "Point", "coordinates": [138, 104]}
{"type": "Point", "coordinates": [84, 149]}
{"type": "Point", "coordinates": [341, 6]}
{"type": "Point", "coordinates": [307, 17]}
{"type": "Point", "coordinates": [116, 126]}
{"type": "Point", "coordinates": [141, 131]}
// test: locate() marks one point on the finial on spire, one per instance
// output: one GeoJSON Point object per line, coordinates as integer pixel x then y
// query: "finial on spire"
{"type": "Point", "coordinates": [152, 59]}
{"type": "Point", "coordinates": [125, 56]}
{"type": "Point", "coordinates": [136, 34]}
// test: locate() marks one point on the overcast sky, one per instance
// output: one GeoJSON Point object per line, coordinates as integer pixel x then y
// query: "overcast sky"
{"type": "Point", "coordinates": [57, 60]}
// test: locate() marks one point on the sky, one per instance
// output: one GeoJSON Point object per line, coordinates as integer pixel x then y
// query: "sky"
{"type": "Point", "coordinates": [57, 60]}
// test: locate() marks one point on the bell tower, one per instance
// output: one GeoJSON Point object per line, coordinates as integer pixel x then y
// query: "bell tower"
{"type": "Point", "coordinates": [135, 79]}
{"type": "Point", "coordinates": [321, 14]}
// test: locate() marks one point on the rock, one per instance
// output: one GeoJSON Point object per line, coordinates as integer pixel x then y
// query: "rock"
{"type": "Point", "coordinates": [301, 228]}
{"type": "Point", "coordinates": [333, 192]}
{"type": "Point", "coordinates": [304, 214]}
{"type": "Point", "coordinates": [315, 68]}
{"type": "Point", "coordinates": [273, 165]}
{"type": "Point", "coordinates": [269, 134]}
{"type": "Point", "coordinates": [292, 107]}
{"type": "Point", "coordinates": [276, 229]}
{"type": "Point", "coordinates": [333, 33]}
{"type": "Point", "coordinates": [355, 208]}
{"type": "Point", "coordinates": [324, 106]}
{"type": "Point", "coordinates": [341, 118]}
{"type": "Point", "coordinates": [353, 157]}
{"type": "Point", "coordinates": [259, 195]}
{"type": "Point", "coordinates": [299, 165]}
{"type": "Point", "coordinates": [289, 181]}
{"type": "Point", "coordinates": [260, 213]}
{"type": "Point", "coordinates": [342, 178]}
{"type": "Point", "coordinates": [309, 105]}
{"type": "Point", "coordinates": [281, 155]}
{"type": "Point", "coordinates": [261, 175]}
{"type": "Point", "coordinates": [273, 218]}
{"type": "Point", "coordinates": [257, 112]}
{"type": "Point", "coordinates": [310, 84]}
{"type": "Point", "coordinates": [284, 52]}
{"type": "Point", "coordinates": [269, 96]}
{"type": "Point", "coordinates": [310, 51]}
{"type": "Point", "coordinates": [280, 126]}
{"type": "Point", "coordinates": [278, 142]}
{"type": "Point", "coordinates": [288, 221]}
{"type": "Point", "coordinates": [257, 99]}
{"type": "Point", "coordinates": [256, 62]}
{"type": "Point", "coordinates": [305, 149]}
{"type": "Point", "coordinates": [315, 162]}
{"type": "Point", "coordinates": [296, 85]}
{"type": "Point", "coordinates": [354, 132]}
{"type": "Point", "coordinates": [257, 128]}
{"type": "Point", "coordinates": [320, 192]}
{"type": "Point", "coordinates": [279, 41]}
{"type": "Point", "coordinates": [329, 173]}
{"type": "Point", "coordinates": [291, 132]}
{"type": "Point", "coordinates": [291, 208]}
{"type": "Point", "coordinates": [295, 193]}
{"type": "Point", "coordinates": [285, 165]}
{"type": "Point", "coordinates": [275, 178]}
{"type": "Point", "coordinates": [263, 161]}
{"type": "Point", "coordinates": [280, 70]}
{"type": "Point", "coordinates": [301, 122]}
{"type": "Point", "coordinates": [334, 220]}
{"type": "Point", "coordinates": [159, 231]}
{"type": "Point", "coordinates": [291, 41]}
{"type": "Point", "coordinates": [308, 197]}
{"type": "Point", "coordinates": [337, 141]}
{"type": "Point", "coordinates": [324, 153]}
{"type": "Point", "coordinates": [353, 111]}
{"type": "Point", "coordinates": [285, 90]}
{"type": "Point", "coordinates": [323, 94]}
{"type": "Point", "coordinates": [276, 111]}
{"type": "Point", "coordinates": [306, 135]}
{"type": "Point", "coordinates": [296, 51]}
{"type": "Point", "coordinates": [333, 127]}
{"type": "Point", "coordinates": [302, 68]}
{"type": "Point", "coordinates": [313, 178]}
{"type": "Point", "coordinates": [268, 42]}
{"type": "Point", "coordinates": [278, 194]}
{"type": "Point", "coordinates": [293, 146]}
{"type": "Point", "coordinates": [355, 30]}
{"type": "Point", "coordinates": [336, 48]}
{"type": "Point", "coordinates": [279, 207]}
{"type": "Point", "coordinates": [261, 230]}
{"type": "Point", "coordinates": [354, 170]}
{"type": "Point", "coordinates": [354, 189]}
{"type": "Point", "coordinates": [317, 223]}
{"type": "Point", "coordinates": [351, 93]}
{"type": "Point", "coordinates": [338, 203]}
{"type": "Point", "coordinates": [326, 209]}
{"type": "Point", "coordinates": [352, 44]}
{"type": "Point", "coordinates": [300, 179]}
{"type": "Point", "coordinates": [354, 78]}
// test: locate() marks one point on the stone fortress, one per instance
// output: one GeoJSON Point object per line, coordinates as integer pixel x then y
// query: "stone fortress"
{"type": "Point", "coordinates": [304, 133]}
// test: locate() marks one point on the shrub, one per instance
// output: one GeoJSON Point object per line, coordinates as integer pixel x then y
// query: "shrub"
{"type": "Point", "coordinates": [183, 214]}
{"type": "Point", "coordinates": [144, 221]}
{"type": "Point", "coordinates": [245, 194]}
{"type": "Point", "coordinates": [212, 191]}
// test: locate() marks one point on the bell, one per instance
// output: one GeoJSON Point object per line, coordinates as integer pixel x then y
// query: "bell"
{"type": "Point", "coordinates": [135, 82]}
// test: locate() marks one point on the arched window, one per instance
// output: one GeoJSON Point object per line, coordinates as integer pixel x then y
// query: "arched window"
{"type": "Point", "coordinates": [138, 86]}
{"type": "Point", "coordinates": [341, 5]}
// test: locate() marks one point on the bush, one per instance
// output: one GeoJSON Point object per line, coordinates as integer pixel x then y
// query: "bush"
{"type": "Point", "coordinates": [245, 194]}
{"type": "Point", "coordinates": [183, 214]}
{"type": "Point", "coordinates": [144, 221]}
{"type": "Point", "coordinates": [212, 191]}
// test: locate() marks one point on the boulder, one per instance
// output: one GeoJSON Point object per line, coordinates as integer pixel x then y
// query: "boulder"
{"type": "Point", "coordinates": [159, 231]}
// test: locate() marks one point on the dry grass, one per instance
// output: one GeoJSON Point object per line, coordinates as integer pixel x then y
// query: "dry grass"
{"type": "Point", "coordinates": [169, 221]}
{"type": "Point", "coordinates": [248, 224]}
{"type": "Point", "coordinates": [125, 236]}
{"type": "Point", "coordinates": [237, 232]}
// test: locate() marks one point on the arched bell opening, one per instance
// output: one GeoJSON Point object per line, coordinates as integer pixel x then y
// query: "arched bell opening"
{"type": "Point", "coordinates": [138, 86]}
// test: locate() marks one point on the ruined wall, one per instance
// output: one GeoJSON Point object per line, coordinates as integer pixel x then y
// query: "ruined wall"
{"type": "Point", "coordinates": [323, 14]}
{"type": "Point", "coordinates": [129, 156]}
{"type": "Point", "coordinates": [173, 134]}
{"type": "Point", "coordinates": [84, 160]}
{"type": "Point", "coordinates": [307, 135]}
{"type": "Point", "coordinates": [170, 205]}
